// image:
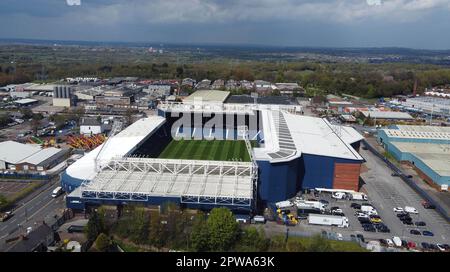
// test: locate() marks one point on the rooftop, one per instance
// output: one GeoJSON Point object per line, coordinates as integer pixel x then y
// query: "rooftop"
{"type": "Point", "coordinates": [436, 156]}
{"type": "Point", "coordinates": [25, 101]}
{"type": "Point", "coordinates": [117, 146]}
{"type": "Point", "coordinates": [387, 115]}
{"type": "Point", "coordinates": [208, 96]}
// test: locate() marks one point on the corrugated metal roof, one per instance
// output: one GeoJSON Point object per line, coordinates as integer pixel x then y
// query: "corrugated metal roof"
{"type": "Point", "coordinates": [41, 156]}
{"type": "Point", "coordinates": [208, 96]}
{"type": "Point", "coordinates": [14, 152]}
{"type": "Point", "coordinates": [387, 114]}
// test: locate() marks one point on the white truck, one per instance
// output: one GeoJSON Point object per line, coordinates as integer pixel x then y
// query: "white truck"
{"type": "Point", "coordinates": [358, 196]}
{"type": "Point", "coordinates": [328, 220]}
{"type": "Point", "coordinates": [303, 204]}
{"type": "Point", "coordinates": [284, 204]}
{"type": "Point", "coordinates": [369, 210]}
{"type": "Point", "coordinates": [409, 209]}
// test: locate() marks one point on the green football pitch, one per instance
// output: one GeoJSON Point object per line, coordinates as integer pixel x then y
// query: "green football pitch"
{"type": "Point", "coordinates": [214, 150]}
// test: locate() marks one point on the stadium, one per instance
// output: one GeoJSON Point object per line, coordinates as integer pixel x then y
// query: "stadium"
{"type": "Point", "coordinates": [207, 154]}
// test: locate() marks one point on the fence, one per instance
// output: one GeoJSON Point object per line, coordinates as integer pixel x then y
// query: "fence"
{"type": "Point", "coordinates": [24, 176]}
{"type": "Point", "coordinates": [409, 181]}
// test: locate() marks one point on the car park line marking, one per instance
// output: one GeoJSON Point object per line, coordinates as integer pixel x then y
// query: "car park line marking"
{"type": "Point", "coordinates": [3, 228]}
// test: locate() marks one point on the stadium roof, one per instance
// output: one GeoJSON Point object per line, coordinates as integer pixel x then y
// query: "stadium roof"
{"type": "Point", "coordinates": [208, 96]}
{"type": "Point", "coordinates": [117, 146]}
{"type": "Point", "coordinates": [291, 135]}
{"type": "Point", "coordinates": [387, 115]}
{"type": "Point", "coordinates": [16, 153]}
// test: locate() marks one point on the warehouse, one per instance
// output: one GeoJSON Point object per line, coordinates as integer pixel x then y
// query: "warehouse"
{"type": "Point", "coordinates": [426, 148]}
{"type": "Point", "coordinates": [29, 158]}
{"type": "Point", "coordinates": [282, 153]}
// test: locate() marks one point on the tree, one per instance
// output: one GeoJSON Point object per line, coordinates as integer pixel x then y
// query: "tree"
{"type": "Point", "coordinates": [294, 246]}
{"type": "Point", "coordinates": [319, 244]}
{"type": "Point", "coordinates": [156, 234]}
{"type": "Point", "coordinates": [199, 235]}
{"type": "Point", "coordinates": [253, 240]}
{"type": "Point", "coordinates": [95, 226]}
{"type": "Point", "coordinates": [139, 226]}
{"type": "Point", "coordinates": [103, 243]}
{"type": "Point", "coordinates": [222, 228]}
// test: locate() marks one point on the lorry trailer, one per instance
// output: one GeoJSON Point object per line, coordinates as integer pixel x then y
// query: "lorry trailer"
{"type": "Point", "coordinates": [328, 220]}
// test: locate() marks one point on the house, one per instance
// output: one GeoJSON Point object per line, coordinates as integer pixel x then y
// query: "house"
{"type": "Point", "coordinates": [91, 126]}
{"type": "Point", "coordinates": [288, 88]}
{"type": "Point", "coordinates": [218, 84]}
{"type": "Point", "coordinates": [36, 241]}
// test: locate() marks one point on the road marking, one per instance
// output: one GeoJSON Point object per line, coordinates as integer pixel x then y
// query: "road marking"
{"type": "Point", "coordinates": [31, 216]}
{"type": "Point", "coordinates": [3, 228]}
{"type": "Point", "coordinates": [13, 220]}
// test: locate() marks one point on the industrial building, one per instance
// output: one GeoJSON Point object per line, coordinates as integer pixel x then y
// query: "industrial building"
{"type": "Point", "coordinates": [288, 152]}
{"type": "Point", "coordinates": [426, 148]}
{"type": "Point", "coordinates": [63, 96]}
{"type": "Point", "coordinates": [91, 126]}
{"type": "Point", "coordinates": [29, 158]}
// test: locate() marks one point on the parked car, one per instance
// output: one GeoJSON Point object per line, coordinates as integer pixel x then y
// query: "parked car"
{"type": "Point", "coordinates": [407, 222]}
{"type": "Point", "coordinates": [355, 206]}
{"type": "Point", "coordinates": [75, 228]}
{"type": "Point", "coordinates": [433, 247]}
{"type": "Point", "coordinates": [411, 244]}
{"type": "Point", "coordinates": [370, 228]}
{"type": "Point", "coordinates": [425, 245]}
{"type": "Point", "coordinates": [361, 237]}
{"type": "Point", "coordinates": [389, 242]}
{"type": "Point", "coordinates": [441, 247]}
{"type": "Point", "coordinates": [410, 209]}
{"type": "Point", "coordinates": [323, 201]}
{"type": "Point", "coordinates": [339, 236]}
{"type": "Point", "coordinates": [420, 224]}
{"type": "Point", "coordinates": [398, 209]}
{"type": "Point", "coordinates": [383, 242]}
{"type": "Point", "coordinates": [395, 174]}
{"type": "Point", "coordinates": [427, 233]}
{"type": "Point", "coordinates": [428, 205]}
{"type": "Point", "coordinates": [414, 232]}
{"type": "Point", "coordinates": [402, 214]}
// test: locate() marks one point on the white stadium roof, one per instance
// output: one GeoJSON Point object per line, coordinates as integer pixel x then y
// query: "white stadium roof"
{"type": "Point", "coordinates": [304, 134]}
{"type": "Point", "coordinates": [119, 145]}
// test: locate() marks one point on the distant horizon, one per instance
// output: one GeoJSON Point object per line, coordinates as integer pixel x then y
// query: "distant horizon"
{"type": "Point", "coordinates": [230, 44]}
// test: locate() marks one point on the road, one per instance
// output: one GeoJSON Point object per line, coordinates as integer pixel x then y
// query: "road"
{"type": "Point", "coordinates": [31, 210]}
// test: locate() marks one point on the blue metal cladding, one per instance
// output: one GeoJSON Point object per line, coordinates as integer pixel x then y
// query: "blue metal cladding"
{"type": "Point", "coordinates": [69, 183]}
{"type": "Point", "coordinates": [77, 203]}
{"type": "Point", "coordinates": [318, 171]}
{"type": "Point", "coordinates": [278, 181]}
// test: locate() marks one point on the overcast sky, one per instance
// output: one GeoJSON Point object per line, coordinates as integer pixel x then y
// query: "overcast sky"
{"type": "Point", "coordinates": [325, 23]}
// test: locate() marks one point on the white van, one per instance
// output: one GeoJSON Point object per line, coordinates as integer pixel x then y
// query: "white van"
{"type": "Point", "coordinates": [409, 209]}
{"type": "Point", "coordinates": [58, 191]}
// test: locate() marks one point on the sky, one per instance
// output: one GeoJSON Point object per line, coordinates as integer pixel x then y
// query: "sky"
{"type": "Point", "coordinates": [323, 23]}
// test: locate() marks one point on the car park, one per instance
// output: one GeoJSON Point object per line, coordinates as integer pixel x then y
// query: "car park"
{"type": "Point", "coordinates": [427, 233]}
{"type": "Point", "coordinates": [414, 232]}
